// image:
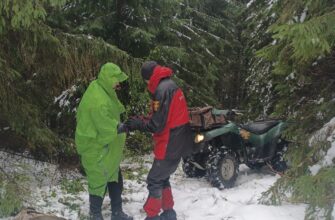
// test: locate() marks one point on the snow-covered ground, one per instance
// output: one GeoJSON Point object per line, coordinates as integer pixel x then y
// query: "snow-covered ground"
{"type": "Point", "coordinates": [326, 133]}
{"type": "Point", "coordinates": [195, 199]}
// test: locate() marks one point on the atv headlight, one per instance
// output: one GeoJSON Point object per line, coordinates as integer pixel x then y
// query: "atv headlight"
{"type": "Point", "coordinates": [198, 138]}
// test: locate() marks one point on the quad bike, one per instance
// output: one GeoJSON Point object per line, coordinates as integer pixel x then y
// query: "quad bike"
{"type": "Point", "coordinates": [220, 149]}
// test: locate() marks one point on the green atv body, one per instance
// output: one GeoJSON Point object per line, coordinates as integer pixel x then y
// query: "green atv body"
{"type": "Point", "coordinates": [220, 150]}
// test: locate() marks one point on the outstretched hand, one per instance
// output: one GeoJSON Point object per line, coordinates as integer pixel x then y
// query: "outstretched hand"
{"type": "Point", "coordinates": [134, 124]}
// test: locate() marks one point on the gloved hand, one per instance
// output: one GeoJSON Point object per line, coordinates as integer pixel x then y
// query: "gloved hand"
{"type": "Point", "coordinates": [134, 124]}
{"type": "Point", "coordinates": [122, 128]}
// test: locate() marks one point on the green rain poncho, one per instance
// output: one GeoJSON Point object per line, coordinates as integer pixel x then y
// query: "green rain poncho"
{"type": "Point", "coordinates": [97, 141]}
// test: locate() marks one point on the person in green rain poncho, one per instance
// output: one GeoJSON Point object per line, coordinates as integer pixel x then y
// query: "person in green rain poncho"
{"type": "Point", "coordinates": [99, 143]}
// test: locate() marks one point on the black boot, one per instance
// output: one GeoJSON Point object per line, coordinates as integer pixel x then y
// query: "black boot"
{"type": "Point", "coordinates": [115, 190]}
{"type": "Point", "coordinates": [120, 215]}
{"type": "Point", "coordinates": [153, 218]}
{"type": "Point", "coordinates": [169, 215]}
{"type": "Point", "coordinates": [95, 207]}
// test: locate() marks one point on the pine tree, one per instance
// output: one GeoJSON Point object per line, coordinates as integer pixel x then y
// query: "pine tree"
{"type": "Point", "coordinates": [295, 57]}
{"type": "Point", "coordinates": [185, 35]}
{"type": "Point", "coordinates": [37, 64]}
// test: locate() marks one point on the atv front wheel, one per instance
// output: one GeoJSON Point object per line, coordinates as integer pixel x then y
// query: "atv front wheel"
{"type": "Point", "coordinates": [278, 164]}
{"type": "Point", "coordinates": [191, 170]}
{"type": "Point", "coordinates": [222, 170]}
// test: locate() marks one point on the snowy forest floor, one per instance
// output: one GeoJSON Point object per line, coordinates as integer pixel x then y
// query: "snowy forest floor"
{"type": "Point", "coordinates": [64, 192]}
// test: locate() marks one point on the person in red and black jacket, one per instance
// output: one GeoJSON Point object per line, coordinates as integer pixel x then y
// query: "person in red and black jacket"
{"type": "Point", "coordinates": [169, 123]}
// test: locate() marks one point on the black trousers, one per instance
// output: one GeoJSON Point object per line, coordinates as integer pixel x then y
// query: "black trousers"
{"type": "Point", "coordinates": [159, 176]}
{"type": "Point", "coordinates": [114, 190]}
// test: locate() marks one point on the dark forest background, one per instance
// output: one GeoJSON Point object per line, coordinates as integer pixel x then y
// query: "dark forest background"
{"type": "Point", "coordinates": [269, 58]}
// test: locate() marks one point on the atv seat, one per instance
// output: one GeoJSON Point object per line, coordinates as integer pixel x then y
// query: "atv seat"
{"type": "Point", "coordinates": [260, 127]}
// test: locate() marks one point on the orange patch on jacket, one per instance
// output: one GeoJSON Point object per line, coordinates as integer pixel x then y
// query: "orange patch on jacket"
{"type": "Point", "coordinates": [155, 105]}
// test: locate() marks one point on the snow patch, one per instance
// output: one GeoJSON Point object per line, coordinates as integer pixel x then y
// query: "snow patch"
{"type": "Point", "coordinates": [327, 133]}
{"type": "Point", "coordinates": [320, 101]}
{"type": "Point", "coordinates": [62, 99]}
{"type": "Point", "coordinates": [291, 76]}
{"type": "Point", "coordinates": [209, 52]}
{"type": "Point", "coordinates": [179, 34]}
{"type": "Point", "coordinates": [272, 2]}
{"type": "Point", "coordinates": [195, 199]}
{"type": "Point", "coordinates": [320, 115]}
{"type": "Point", "coordinates": [210, 34]}
{"type": "Point", "coordinates": [250, 3]}
{"type": "Point", "coordinates": [303, 15]}
{"type": "Point", "coordinates": [324, 133]}
{"type": "Point", "coordinates": [191, 30]}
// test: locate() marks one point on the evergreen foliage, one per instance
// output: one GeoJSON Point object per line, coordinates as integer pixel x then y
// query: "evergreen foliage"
{"type": "Point", "coordinates": [24, 14]}
{"type": "Point", "coordinates": [196, 38]}
{"type": "Point", "coordinates": [292, 65]}
{"type": "Point", "coordinates": [272, 58]}
{"type": "Point", "coordinates": [62, 44]}
{"type": "Point", "coordinates": [37, 64]}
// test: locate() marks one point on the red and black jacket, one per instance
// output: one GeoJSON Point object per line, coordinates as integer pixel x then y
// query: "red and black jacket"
{"type": "Point", "coordinates": [169, 121]}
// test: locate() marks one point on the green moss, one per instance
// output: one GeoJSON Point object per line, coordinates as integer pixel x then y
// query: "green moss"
{"type": "Point", "coordinates": [13, 193]}
{"type": "Point", "coordinates": [72, 186]}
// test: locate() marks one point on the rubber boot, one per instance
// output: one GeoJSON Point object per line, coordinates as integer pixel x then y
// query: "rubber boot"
{"type": "Point", "coordinates": [153, 207]}
{"type": "Point", "coordinates": [95, 207]}
{"type": "Point", "coordinates": [120, 215]}
{"type": "Point", "coordinates": [167, 199]}
{"type": "Point", "coordinates": [167, 205]}
{"type": "Point", "coordinates": [115, 190]}
{"type": "Point", "coordinates": [153, 218]}
{"type": "Point", "coordinates": [169, 215]}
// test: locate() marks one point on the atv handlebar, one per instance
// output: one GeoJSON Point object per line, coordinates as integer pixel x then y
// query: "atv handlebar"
{"type": "Point", "coordinates": [230, 114]}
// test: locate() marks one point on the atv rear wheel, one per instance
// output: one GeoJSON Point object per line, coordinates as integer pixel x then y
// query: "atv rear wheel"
{"type": "Point", "coordinates": [191, 170]}
{"type": "Point", "coordinates": [222, 170]}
